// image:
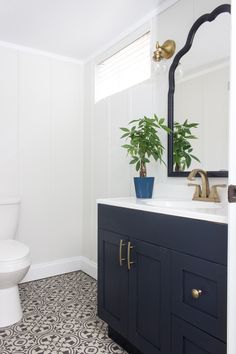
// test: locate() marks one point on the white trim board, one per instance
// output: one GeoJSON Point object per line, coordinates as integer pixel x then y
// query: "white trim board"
{"type": "Point", "coordinates": [61, 266]}
{"type": "Point", "coordinates": [35, 51]}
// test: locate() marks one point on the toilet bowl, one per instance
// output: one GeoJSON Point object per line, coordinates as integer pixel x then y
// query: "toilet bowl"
{"type": "Point", "coordinates": [14, 263]}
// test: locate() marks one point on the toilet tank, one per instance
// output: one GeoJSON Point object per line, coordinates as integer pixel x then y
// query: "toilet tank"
{"type": "Point", "coordinates": [9, 217]}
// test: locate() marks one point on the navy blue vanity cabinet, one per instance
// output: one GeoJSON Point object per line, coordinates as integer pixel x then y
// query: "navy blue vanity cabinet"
{"type": "Point", "coordinates": [113, 280]}
{"type": "Point", "coordinates": [162, 281]}
{"type": "Point", "coordinates": [187, 339]}
{"type": "Point", "coordinates": [149, 322]}
{"type": "Point", "coordinates": [131, 299]}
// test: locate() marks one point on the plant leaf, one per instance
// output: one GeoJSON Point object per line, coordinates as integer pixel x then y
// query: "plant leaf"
{"type": "Point", "coordinates": [124, 129]}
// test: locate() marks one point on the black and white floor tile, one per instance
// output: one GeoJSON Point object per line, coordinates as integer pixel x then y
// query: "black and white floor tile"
{"type": "Point", "coordinates": [59, 318]}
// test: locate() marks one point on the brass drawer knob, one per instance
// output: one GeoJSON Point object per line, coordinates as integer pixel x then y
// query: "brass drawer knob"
{"type": "Point", "coordinates": [196, 293]}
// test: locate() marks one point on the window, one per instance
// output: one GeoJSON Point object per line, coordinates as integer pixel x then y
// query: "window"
{"type": "Point", "coordinates": [129, 66]}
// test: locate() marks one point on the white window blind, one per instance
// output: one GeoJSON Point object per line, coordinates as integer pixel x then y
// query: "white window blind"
{"type": "Point", "coordinates": [128, 67]}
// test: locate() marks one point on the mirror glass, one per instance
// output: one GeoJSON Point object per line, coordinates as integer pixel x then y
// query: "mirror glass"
{"type": "Point", "coordinates": [201, 100]}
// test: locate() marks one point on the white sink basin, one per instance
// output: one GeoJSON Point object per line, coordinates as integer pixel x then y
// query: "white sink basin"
{"type": "Point", "coordinates": [180, 204]}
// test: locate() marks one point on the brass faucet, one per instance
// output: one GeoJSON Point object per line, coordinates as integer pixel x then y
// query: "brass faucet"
{"type": "Point", "coordinates": [204, 192]}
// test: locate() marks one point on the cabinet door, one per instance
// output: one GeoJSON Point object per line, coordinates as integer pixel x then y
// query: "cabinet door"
{"type": "Point", "coordinates": [187, 339]}
{"type": "Point", "coordinates": [113, 280]}
{"type": "Point", "coordinates": [149, 298]}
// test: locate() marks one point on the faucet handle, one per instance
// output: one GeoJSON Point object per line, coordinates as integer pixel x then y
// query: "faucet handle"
{"type": "Point", "coordinates": [219, 185]}
{"type": "Point", "coordinates": [214, 193]}
{"type": "Point", "coordinates": [198, 190]}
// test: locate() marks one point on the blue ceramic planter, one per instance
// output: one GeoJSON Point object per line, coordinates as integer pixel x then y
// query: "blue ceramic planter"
{"type": "Point", "coordinates": [144, 186]}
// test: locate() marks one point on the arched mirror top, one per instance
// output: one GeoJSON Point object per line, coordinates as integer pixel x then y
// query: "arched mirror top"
{"type": "Point", "coordinates": [205, 70]}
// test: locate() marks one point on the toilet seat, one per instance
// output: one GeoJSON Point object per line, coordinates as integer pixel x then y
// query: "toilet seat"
{"type": "Point", "coordinates": [14, 255]}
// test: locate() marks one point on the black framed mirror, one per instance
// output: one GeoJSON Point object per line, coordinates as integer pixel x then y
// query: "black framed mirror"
{"type": "Point", "coordinates": [198, 98]}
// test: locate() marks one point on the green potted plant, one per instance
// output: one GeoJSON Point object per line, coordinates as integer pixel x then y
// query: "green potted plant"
{"type": "Point", "coordinates": [182, 148]}
{"type": "Point", "coordinates": [144, 144]}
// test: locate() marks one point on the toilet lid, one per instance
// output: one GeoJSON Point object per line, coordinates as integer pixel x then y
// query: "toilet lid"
{"type": "Point", "coordinates": [12, 250]}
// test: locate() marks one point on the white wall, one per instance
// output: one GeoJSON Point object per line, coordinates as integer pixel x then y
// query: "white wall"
{"type": "Point", "coordinates": [41, 149]}
{"type": "Point", "coordinates": [8, 122]}
{"type": "Point", "coordinates": [106, 165]}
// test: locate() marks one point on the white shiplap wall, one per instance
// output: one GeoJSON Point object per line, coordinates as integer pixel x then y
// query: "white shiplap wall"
{"type": "Point", "coordinates": [41, 149]}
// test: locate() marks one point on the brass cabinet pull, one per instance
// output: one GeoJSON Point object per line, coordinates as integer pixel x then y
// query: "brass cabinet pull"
{"type": "Point", "coordinates": [129, 255]}
{"type": "Point", "coordinates": [122, 244]}
{"type": "Point", "coordinates": [196, 293]}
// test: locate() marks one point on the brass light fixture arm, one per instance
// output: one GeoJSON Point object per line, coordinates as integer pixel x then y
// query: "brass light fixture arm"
{"type": "Point", "coordinates": [164, 51]}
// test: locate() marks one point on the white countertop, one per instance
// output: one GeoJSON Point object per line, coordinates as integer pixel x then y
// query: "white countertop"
{"type": "Point", "coordinates": [181, 207]}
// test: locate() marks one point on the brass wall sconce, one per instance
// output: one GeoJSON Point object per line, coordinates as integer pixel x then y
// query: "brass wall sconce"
{"type": "Point", "coordinates": [164, 51]}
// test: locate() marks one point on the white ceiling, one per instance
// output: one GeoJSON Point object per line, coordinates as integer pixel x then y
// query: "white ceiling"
{"type": "Point", "coordinates": [74, 28]}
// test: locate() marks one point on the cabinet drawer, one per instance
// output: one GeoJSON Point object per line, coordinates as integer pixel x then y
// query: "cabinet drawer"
{"type": "Point", "coordinates": [187, 339]}
{"type": "Point", "coordinates": [206, 306]}
{"type": "Point", "coordinates": [190, 236]}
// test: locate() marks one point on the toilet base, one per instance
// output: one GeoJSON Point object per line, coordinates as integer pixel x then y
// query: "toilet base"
{"type": "Point", "coordinates": [10, 306]}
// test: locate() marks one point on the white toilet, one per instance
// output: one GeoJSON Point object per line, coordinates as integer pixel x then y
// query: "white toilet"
{"type": "Point", "coordinates": [14, 263]}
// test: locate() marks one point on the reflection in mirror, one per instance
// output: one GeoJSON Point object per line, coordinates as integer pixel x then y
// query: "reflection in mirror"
{"type": "Point", "coordinates": [201, 102]}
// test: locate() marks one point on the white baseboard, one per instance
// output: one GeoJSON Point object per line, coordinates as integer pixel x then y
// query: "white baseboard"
{"type": "Point", "coordinates": [89, 267]}
{"type": "Point", "coordinates": [61, 266]}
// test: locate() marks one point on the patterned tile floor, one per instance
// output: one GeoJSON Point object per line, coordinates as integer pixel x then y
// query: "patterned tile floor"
{"type": "Point", "coordinates": [59, 318]}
